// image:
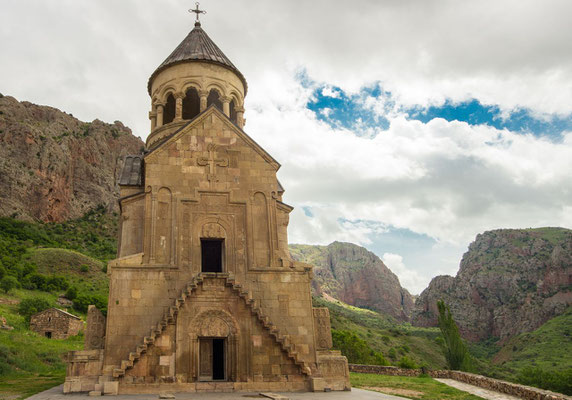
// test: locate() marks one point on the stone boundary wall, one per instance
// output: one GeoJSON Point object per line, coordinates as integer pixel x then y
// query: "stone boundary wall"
{"type": "Point", "coordinates": [513, 389]}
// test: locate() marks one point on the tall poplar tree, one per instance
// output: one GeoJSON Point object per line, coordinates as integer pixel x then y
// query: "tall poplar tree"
{"type": "Point", "coordinates": [456, 352]}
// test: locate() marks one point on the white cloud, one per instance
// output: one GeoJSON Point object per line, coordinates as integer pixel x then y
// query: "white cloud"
{"type": "Point", "coordinates": [447, 180]}
{"type": "Point", "coordinates": [408, 278]}
{"type": "Point", "coordinates": [328, 91]}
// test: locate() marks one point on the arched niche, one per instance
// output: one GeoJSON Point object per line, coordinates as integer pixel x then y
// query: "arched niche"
{"type": "Point", "coordinates": [169, 111]}
{"type": "Point", "coordinates": [163, 227]}
{"type": "Point", "coordinates": [191, 103]}
{"type": "Point", "coordinates": [232, 109]}
{"type": "Point", "coordinates": [261, 233]}
{"type": "Point", "coordinates": [214, 97]}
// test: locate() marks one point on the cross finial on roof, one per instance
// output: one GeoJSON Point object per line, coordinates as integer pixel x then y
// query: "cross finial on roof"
{"type": "Point", "coordinates": [197, 12]}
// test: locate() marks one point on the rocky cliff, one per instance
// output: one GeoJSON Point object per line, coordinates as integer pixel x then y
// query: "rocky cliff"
{"type": "Point", "coordinates": [54, 167]}
{"type": "Point", "coordinates": [510, 281]}
{"type": "Point", "coordinates": [355, 276]}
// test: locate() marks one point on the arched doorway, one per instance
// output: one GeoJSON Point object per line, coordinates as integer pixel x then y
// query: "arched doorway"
{"type": "Point", "coordinates": [213, 347]}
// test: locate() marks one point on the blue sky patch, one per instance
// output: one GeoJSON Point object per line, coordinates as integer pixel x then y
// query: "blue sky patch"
{"type": "Point", "coordinates": [389, 239]}
{"type": "Point", "coordinates": [352, 111]}
{"type": "Point", "coordinates": [475, 113]}
{"type": "Point", "coordinates": [372, 107]}
{"type": "Point", "coordinates": [308, 211]}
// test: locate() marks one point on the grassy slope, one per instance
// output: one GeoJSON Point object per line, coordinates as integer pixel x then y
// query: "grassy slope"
{"type": "Point", "coordinates": [82, 271]}
{"type": "Point", "coordinates": [78, 250]}
{"type": "Point", "coordinates": [548, 347]}
{"type": "Point", "coordinates": [419, 388]}
{"type": "Point", "coordinates": [382, 334]}
{"type": "Point", "coordinates": [29, 362]}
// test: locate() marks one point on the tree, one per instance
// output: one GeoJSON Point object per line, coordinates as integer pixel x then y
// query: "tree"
{"type": "Point", "coordinates": [71, 293]}
{"type": "Point", "coordinates": [32, 305]}
{"type": "Point", "coordinates": [8, 283]}
{"type": "Point", "coordinates": [82, 301]}
{"type": "Point", "coordinates": [456, 352]}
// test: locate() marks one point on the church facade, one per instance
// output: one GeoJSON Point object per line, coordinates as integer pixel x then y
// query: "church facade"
{"type": "Point", "coordinates": [204, 295]}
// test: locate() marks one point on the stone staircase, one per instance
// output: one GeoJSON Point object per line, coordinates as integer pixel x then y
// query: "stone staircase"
{"type": "Point", "coordinates": [169, 316]}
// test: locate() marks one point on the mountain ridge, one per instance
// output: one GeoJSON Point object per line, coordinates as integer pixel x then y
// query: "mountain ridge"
{"type": "Point", "coordinates": [509, 281]}
{"type": "Point", "coordinates": [356, 276]}
{"type": "Point", "coordinates": [54, 167]}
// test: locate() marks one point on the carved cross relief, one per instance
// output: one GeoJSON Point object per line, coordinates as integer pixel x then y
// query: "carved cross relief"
{"type": "Point", "coordinates": [214, 159]}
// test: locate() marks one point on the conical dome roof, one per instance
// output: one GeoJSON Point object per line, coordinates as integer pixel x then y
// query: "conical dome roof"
{"type": "Point", "coordinates": [197, 46]}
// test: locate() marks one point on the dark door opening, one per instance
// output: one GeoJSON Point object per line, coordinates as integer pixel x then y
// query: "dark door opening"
{"type": "Point", "coordinates": [218, 359]}
{"type": "Point", "coordinates": [211, 255]}
{"type": "Point", "coordinates": [48, 335]}
{"type": "Point", "coordinates": [212, 359]}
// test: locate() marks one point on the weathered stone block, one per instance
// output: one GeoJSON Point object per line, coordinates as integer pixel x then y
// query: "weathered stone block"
{"type": "Point", "coordinates": [111, 388]}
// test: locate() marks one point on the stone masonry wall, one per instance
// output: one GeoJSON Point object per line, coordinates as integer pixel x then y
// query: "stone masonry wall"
{"type": "Point", "coordinates": [57, 324]}
{"type": "Point", "coordinates": [513, 389]}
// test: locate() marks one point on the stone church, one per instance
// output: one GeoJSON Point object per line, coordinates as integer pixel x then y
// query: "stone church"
{"type": "Point", "coordinates": [204, 295]}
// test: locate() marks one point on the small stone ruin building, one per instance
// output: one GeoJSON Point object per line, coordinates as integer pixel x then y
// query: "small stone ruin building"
{"type": "Point", "coordinates": [204, 295]}
{"type": "Point", "coordinates": [54, 323]}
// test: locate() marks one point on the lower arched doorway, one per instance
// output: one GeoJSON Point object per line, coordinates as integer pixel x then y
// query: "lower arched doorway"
{"type": "Point", "coordinates": [212, 346]}
{"type": "Point", "coordinates": [212, 359]}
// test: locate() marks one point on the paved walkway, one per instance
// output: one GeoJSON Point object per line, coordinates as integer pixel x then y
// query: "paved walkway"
{"type": "Point", "coordinates": [477, 391]}
{"type": "Point", "coordinates": [355, 394]}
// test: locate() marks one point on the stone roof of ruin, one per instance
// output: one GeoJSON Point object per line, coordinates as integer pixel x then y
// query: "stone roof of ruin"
{"type": "Point", "coordinates": [59, 310]}
{"type": "Point", "coordinates": [132, 173]}
{"type": "Point", "coordinates": [197, 46]}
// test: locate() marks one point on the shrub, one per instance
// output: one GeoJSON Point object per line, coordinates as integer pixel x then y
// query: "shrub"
{"type": "Point", "coordinates": [8, 283]}
{"type": "Point", "coordinates": [84, 268]}
{"type": "Point", "coordinates": [82, 301]}
{"type": "Point", "coordinates": [356, 349]}
{"type": "Point", "coordinates": [407, 362]}
{"type": "Point", "coordinates": [385, 339]}
{"type": "Point", "coordinates": [38, 281]}
{"type": "Point", "coordinates": [47, 284]}
{"type": "Point", "coordinates": [557, 381]}
{"type": "Point", "coordinates": [71, 293]}
{"type": "Point", "coordinates": [57, 283]}
{"type": "Point", "coordinates": [32, 305]}
{"type": "Point", "coordinates": [392, 353]}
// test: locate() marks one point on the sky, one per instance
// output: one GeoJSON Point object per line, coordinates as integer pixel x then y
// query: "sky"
{"type": "Point", "coordinates": [407, 127]}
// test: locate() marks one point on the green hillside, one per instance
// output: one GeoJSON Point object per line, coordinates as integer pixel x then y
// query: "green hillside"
{"type": "Point", "coordinates": [548, 348]}
{"type": "Point", "coordinates": [47, 261]}
{"type": "Point", "coordinates": [86, 273]}
{"type": "Point", "coordinates": [383, 335]}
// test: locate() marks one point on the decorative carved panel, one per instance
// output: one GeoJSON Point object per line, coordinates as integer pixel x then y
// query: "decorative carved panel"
{"type": "Point", "coordinates": [322, 328]}
{"type": "Point", "coordinates": [95, 332]}
{"type": "Point", "coordinates": [213, 230]}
